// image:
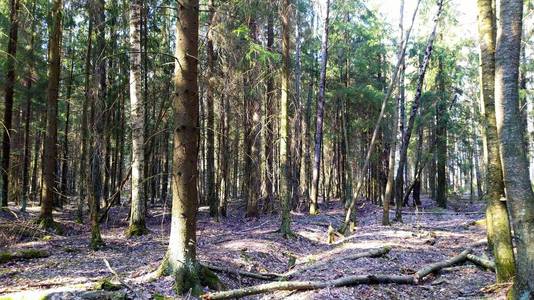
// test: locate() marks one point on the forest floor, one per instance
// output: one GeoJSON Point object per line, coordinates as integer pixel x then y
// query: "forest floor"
{"type": "Point", "coordinates": [253, 245]}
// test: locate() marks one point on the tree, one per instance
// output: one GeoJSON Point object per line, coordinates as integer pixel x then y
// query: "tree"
{"type": "Point", "coordinates": [213, 199]}
{"type": "Point", "coordinates": [498, 225]}
{"type": "Point", "coordinates": [399, 179]}
{"type": "Point", "coordinates": [96, 121]}
{"type": "Point", "coordinates": [50, 148]}
{"type": "Point", "coordinates": [9, 91]}
{"type": "Point", "coordinates": [137, 122]}
{"type": "Point", "coordinates": [514, 160]}
{"type": "Point", "coordinates": [285, 184]}
{"type": "Point", "coordinates": [180, 259]}
{"type": "Point", "coordinates": [320, 117]}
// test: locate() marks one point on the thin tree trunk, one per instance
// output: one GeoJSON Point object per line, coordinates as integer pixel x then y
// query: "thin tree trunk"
{"type": "Point", "coordinates": [50, 149]}
{"type": "Point", "coordinates": [9, 92]}
{"type": "Point", "coordinates": [399, 179]}
{"type": "Point", "coordinates": [285, 151]}
{"type": "Point", "coordinates": [320, 116]}
{"type": "Point", "coordinates": [211, 192]}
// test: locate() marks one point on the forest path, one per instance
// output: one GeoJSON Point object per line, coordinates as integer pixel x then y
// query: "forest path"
{"type": "Point", "coordinates": [253, 245]}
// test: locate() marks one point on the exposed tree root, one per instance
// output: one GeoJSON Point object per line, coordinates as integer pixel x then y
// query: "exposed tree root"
{"type": "Point", "coordinates": [344, 281]}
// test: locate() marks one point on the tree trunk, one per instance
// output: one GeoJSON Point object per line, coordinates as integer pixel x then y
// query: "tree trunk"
{"type": "Point", "coordinates": [498, 226]}
{"type": "Point", "coordinates": [9, 92]}
{"type": "Point", "coordinates": [320, 113]}
{"type": "Point", "coordinates": [180, 259]}
{"type": "Point", "coordinates": [441, 138]}
{"type": "Point", "coordinates": [514, 160]}
{"type": "Point", "coordinates": [96, 119]}
{"type": "Point", "coordinates": [50, 149]}
{"type": "Point", "coordinates": [137, 224]}
{"type": "Point", "coordinates": [213, 199]}
{"type": "Point", "coordinates": [285, 180]}
{"type": "Point", "coordinates": [399, 179]}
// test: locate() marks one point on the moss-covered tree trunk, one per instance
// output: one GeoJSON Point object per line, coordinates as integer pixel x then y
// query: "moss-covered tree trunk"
{"type": "Point", "coordinates": [498, 226]}
{"type": "Point", "coordinates": [514, 160]}
{"type": "Point", "coordinates": [137, 121]}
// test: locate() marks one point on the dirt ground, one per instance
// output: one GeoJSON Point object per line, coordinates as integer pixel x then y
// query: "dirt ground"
{"type": "Point", "coordinates": [253, 245]}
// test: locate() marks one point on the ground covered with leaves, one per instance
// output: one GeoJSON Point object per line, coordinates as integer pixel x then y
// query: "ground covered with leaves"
{"type": "Point", "coordinates": [66, 267]}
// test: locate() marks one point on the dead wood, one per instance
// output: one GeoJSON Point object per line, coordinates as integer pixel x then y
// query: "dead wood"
{"type": "Point", "coordinates": [482, 262]}
{"type": "Point", "coordinates": [310, 285]}
{"type": "Point", "coordinates": [371, 253]}
{"type": "Point", "coordinates": [262, 276]}
{"type": "Point", "coordinates": [344, 281]}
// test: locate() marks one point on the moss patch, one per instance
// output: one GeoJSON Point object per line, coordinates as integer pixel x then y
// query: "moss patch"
{"type": "Point", "coordinates": [107, 285]}
{"type": "Point", "coordinates": [23, 254]}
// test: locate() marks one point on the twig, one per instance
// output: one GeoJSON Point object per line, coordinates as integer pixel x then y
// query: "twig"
{"type": "Point", "coordinates": [137, 295]}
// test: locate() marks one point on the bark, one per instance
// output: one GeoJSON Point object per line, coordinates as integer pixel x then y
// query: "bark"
{"type": "Point", "coordinates": [27, 117]}
{"type": "Point", "coordinates": [211, 192]}
{"type": "Point", "coordinates": [514, 160]}
{"type": "Point", "coordinates": [482, 262]}
{"type": "Point", "coordinates": [390, 184]}
{"type": "Point", "coordinates": [50, 148]}
{"type": "Point", "coordinates": [65, 163]}
{"type": "Point", "coordinates": [441, 139]}
{"type": "Point", "coordinates": [9, 92]}
{"type": "Point", "coordinates": [320, 117]}
{"type": "Point", "coordinates": [96, 119]}
{"type": "Point", "coordinates": [399, 179]}
{"type": "Point", "coordinates": [269, 120]}
{"type": "Point", "coordinates": [498, 225]}
{"type": "Point", "coordinates": [180, 259]}
{"type": "Point", "coordinates": [284, 151]}
{"type": "Point", "coordinates": [137, 224]}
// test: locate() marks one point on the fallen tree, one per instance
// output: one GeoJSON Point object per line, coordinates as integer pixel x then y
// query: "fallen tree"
{"type": "Point", "coordinates": [280, 277]}
{"type": "Point", "coordinates": [343, 281]}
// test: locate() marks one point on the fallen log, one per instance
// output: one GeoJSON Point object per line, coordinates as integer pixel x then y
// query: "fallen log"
{"type": "Point", "coordinates": [344, 281]}
{"type": "Point", "coordinates": [310, 285]}
{"type": "Point", "coordinates": [482, 262]}
{"type": "Point", "coordinates": [262, 276]}
{"type": "Point", "coordinates": [435, 267]}
{"type": "Point", "coordinates": [371, 253]}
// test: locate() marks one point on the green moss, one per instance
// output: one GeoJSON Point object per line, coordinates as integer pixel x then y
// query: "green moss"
{"type": "Point", "coordinates": [5, 257]}
{"type": "Point", "coordinates": [31, 253]}
{"type": "Point", "coordinates": [136, 230]}
{"type": "Point", "coordinates": [107, 285]}
{"type": "Point", "coordinates": [23, 254]}
{"type": "Point", "coordinates": [161, 297]}
{"type": "Point", "coordinates": [71, 250]}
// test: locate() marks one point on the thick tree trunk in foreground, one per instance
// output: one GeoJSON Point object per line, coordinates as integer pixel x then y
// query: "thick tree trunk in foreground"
{"type": "Point", "coordinates": [319, 123]}
{"type": "Point", "coordinates": [137, 224]}
{"type": "Point", "coordinates": [498, 226]}
{"type": "Point", "coordinates": [8, 104]}
{"type": "Point", "coordinates": [514, 160]}
{"type": "Point", "coordinates": [180, 259]}
{"type": "Point", "coordinates": [50, 148]}
{"type": "Point", "coordinates": [285, 183]}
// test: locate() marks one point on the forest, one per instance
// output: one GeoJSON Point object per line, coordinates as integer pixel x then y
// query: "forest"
{"type": "Point", "coordinates": [267, 149]}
